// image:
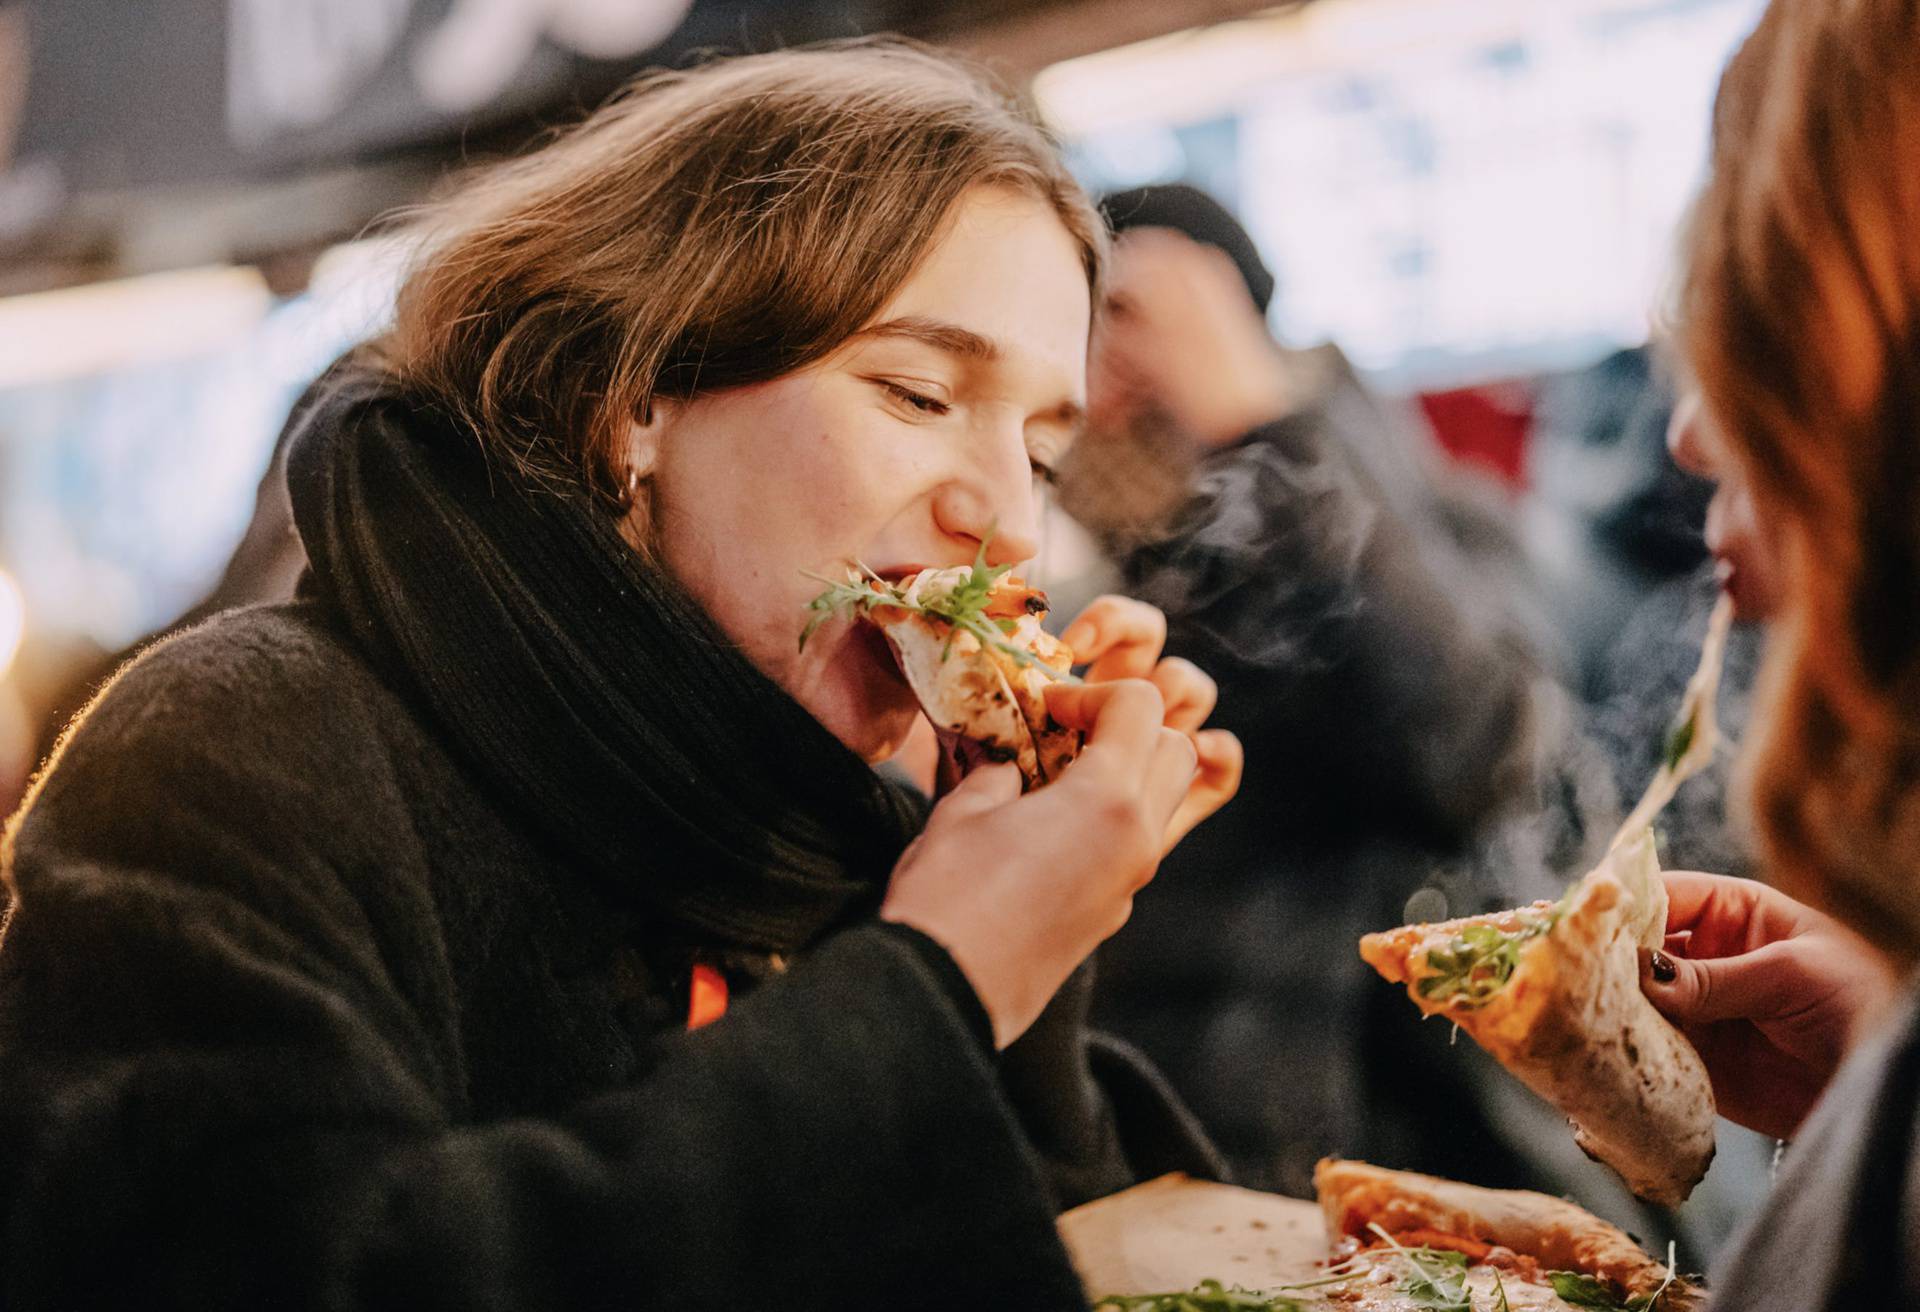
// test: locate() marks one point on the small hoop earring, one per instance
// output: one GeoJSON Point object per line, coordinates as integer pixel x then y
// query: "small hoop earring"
{"type": "Point", "coordinates": [633, 481]}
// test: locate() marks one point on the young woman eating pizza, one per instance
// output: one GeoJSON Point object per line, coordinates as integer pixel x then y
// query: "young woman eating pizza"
{"type": "Point", "coordinates": [1801, 326]}
{"type": "Point", "coordinates": [515, 919]}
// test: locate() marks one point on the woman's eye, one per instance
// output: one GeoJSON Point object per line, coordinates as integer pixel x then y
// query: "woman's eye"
{"type": "Point", "coordinates": [1045, 473]}
{"type": "Point", "coordinates": [920, 401]}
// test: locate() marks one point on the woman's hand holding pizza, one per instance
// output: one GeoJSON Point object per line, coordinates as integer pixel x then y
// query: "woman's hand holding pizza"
{"type": "Point", "coordinates": [1120, 638]}
{"type": "Point", "coordinates": [1022, 889]}
{"type": "Point", "coordinates": [1770, 991]}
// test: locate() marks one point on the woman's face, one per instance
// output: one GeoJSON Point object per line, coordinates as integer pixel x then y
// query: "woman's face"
{"type": "Point", "coordinates": [907, 448]}
{"type": "Point", "coordinates": [1749, 568]}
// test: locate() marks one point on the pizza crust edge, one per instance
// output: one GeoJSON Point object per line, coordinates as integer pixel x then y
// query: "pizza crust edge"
{"type": "Point", "coordinates": [1558, 1234]}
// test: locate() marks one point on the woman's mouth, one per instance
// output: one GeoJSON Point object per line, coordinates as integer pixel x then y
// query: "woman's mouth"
{"type": "Point", "coordinates": [1750, 602]}
{"type": "Point", "coordinates": [1727, 575]}
{"type": "Point", "coordinates": [873, 649]}
{"type": "Point", "coordinates": [1724, 543]}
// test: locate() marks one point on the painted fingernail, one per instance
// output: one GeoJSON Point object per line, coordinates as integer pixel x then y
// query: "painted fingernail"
{"type": "Point", "coordinates": [1663, 968]}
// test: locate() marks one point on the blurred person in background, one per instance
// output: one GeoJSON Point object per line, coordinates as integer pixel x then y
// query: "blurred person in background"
{"type": "Point", "coordinates": [515, 918]}
{"type": "Point", "coordinates": [1797, 324]}
{"type": "Point", "coordinates": [1380, 651]}
{"type": "Point", "coordinates": [1381, 642]}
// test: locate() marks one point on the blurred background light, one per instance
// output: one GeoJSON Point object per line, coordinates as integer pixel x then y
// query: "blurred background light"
{"type": "Point", "coordinates": [1453, 192]}
{"type": "Point", "coordinates": [96, 329]}
{"type": "Point", "coordinates": [138, 419]}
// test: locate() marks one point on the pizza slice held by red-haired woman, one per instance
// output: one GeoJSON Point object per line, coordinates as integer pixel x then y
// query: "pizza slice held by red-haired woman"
{"type": "Point", "coordinates": [1552, 990]}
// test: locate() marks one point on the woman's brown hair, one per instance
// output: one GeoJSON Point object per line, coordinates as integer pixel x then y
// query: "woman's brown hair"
{"type": "Point", "coordinates": [709, 228]}
{"type": "Point", "coordinates": [1800, 321]}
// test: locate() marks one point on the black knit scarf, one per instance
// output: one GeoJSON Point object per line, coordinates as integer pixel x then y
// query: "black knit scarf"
{"type": "Point", "coordinates": [583, 683]}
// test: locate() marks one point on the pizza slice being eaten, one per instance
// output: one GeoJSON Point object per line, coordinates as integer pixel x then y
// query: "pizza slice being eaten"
{"type": "Point", "coordinates": [970, 643]}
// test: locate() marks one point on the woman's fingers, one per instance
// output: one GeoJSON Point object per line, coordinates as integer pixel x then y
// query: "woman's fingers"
{"type": "Point", "coordinates": [1692, 894]}
{"type": "Point", "coordinates": [1129, 749]}
{"type": "Point", "coordinates": [1120, 719]}
{"type": "Point", "coordinates": [1220, 760]}
{"type": "Point", "coordinates": [1756, 986]}
{"type": "Point", "coordinates": [981, 790]}
{"type": "Point", "coordinates": [1188, 691]}
{"type": "Point", "coordinates": [1725, 916]}
{"type": "Point", "coordinates": [1118, 638]}
{"type": "Point", "coordinates": [1170, 776]}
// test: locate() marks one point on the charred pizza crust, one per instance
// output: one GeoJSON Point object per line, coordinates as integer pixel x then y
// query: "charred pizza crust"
{"type": "Point", "coordinates": [1054, 745]}
{"type": "Point", "coordinates": [1553, 1232]}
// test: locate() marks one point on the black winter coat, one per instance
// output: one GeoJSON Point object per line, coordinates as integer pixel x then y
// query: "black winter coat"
{"type": "Point", "coordinates": [301, 1007]}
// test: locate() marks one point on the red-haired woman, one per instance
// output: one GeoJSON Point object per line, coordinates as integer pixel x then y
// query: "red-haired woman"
{"type": "Point", "coordinates": [1801, 327]}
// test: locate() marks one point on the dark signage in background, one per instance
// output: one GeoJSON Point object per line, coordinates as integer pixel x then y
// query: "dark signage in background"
{"type": "Point", "coordinates": [106, 105]}
{"type": "Point", "coordinates": [175, 92]}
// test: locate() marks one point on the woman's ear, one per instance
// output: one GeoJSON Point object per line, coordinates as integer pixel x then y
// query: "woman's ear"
{"type": "Point", "coordinates": [645, 432]}
{"type": "Point", "coordinates": [644, 439]}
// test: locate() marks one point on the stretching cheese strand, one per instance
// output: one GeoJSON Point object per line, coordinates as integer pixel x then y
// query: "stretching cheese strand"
{"type": "Point", "coordinates": [1697, 708]}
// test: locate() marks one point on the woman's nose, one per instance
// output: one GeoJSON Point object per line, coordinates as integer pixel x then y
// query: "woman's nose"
{"type": "Point", "coordinates": [1686, 440]}
{"type": "Point", "coordinates": [993, 501]}
{"type": "Point", "coordinates": [1008, 524]}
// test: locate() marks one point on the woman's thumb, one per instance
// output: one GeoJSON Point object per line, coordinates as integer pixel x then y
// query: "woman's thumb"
{"type": "Point", "coordinates": [1758, 985]}
{"type": "Point", "coordinates": [985, 788]}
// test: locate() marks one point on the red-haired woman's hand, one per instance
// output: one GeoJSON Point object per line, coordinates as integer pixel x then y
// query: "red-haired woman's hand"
{"type": "Point", "coordinates": [1770, 991]}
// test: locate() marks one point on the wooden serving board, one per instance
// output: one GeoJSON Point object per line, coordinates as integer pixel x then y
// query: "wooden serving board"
{"type": "Point", "coordinates": [1174, 1232]}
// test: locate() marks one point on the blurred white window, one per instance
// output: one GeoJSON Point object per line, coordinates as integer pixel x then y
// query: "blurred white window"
{"type": "Point", "coordinates": [1453, 190]}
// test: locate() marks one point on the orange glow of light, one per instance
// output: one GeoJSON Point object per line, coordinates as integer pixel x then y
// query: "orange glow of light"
{"type": "Point", "coordinates": [708, 1002]}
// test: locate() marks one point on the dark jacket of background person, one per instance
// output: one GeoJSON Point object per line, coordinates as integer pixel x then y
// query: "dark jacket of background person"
{"type": "Point", "coordinates": [1389, 731]}
{"type": "Point", "coordinates": [1607, 518]}
{"type": "Point", "coordinates": [1380, 653]}
{"type": "Point", "coordinates": [349, 954]}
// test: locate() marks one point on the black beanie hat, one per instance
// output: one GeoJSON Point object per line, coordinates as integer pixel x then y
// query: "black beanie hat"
{"type": "Point", "coordinates": [1191, 211]}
